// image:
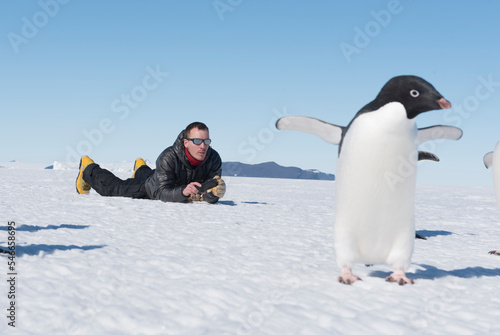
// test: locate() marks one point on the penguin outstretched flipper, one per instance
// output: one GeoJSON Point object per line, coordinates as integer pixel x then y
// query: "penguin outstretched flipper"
{"type": "Point", "coordinates": [438, 132]}
{"type": "Point", "coordinates": [427, 156]}
{"type": "Point", "coordinates": [488, 159]}
{"type": "Point", "coordinates": [435, 133]}
{"type": "Point", "coordinates": [328, 132]}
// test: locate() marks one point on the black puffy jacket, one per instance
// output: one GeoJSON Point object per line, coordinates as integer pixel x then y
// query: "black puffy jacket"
{"type": "Point", "coordinates": [173, 173]}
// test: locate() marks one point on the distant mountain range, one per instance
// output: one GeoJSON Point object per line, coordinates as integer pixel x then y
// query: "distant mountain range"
{"type": "Point", "coordinates": [272, 170]}
{"type": "Point", "coordinates": [262, 170]}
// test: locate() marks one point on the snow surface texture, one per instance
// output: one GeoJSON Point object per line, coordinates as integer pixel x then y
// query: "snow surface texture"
{"type": "Point", "coordinates": [261, 261]}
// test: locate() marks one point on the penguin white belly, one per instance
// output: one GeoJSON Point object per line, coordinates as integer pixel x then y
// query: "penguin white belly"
{"type": "Point", "coordinates": [375, 189]}
{"type": "Point", "coordinates": [496, 172]}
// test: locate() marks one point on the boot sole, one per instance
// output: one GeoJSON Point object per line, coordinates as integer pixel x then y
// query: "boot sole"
{"type": "Point", "coordinates": [78, 177]}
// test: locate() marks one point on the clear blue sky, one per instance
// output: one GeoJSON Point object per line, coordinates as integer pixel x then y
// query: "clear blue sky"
{"type": "Point", "coordinates": [75, 67]}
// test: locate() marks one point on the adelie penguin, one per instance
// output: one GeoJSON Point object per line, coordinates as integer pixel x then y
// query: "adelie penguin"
{"type": "Point", "coordinates": [376, 174]}
{"type": "Point", "coordinates": [492, 160]}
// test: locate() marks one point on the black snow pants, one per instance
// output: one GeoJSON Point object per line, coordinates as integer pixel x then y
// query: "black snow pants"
{"type": "Point", "coordinates": [107, 184]}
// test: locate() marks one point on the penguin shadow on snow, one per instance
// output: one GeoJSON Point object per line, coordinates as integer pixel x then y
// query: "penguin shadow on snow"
{"type": "Point", "coordinates": [254, 202]}
{"type": "Point", "coordinates": [226, 202]}
{"type": "Point", "coordinates": [424, 234]}
{"type": "Point", "coordinates": [30, 228]}
{"type": "Point", "coordinates": [35, 249]}
{"type": "Point", "coordinates": [432, 272]}
{"type": "Point", "coordinates": [232, 203]}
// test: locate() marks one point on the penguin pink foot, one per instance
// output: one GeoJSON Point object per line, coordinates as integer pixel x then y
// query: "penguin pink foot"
{"type": "Point", "coordinates": [398, 276]}
{"type": "Point", "coordinates": [495, 252]}
{"type": "Point", "coordinates": [346, 276]}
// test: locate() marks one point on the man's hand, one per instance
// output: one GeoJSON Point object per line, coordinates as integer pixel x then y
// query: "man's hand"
{"type": "Point", "coordinates": [212, 190]}
{"type": "Point", "coordinates": [220, 189]}
{"type": "Point", "coordinates": [191, 189]}
{"type": "Point", "coordinates": [196, 197]}
{"type": "Point", "coordinates": [211, 183]}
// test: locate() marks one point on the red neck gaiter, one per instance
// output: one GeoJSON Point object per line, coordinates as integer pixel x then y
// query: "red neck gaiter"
{"type": "Point", "coordinates": [191, 159]}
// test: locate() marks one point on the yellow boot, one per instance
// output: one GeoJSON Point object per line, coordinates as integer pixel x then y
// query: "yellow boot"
{"type": "Point", "coordinates": [138, 163]}
{"type": "Point", "coordinates": [82, 187]}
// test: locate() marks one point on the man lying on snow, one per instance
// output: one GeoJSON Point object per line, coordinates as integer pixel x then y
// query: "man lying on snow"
{"type": "Point", "coordinates": [189, 170]}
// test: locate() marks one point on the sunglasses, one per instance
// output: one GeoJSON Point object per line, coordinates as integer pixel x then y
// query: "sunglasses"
{"type": "Point", "coordinates": [198, 141]}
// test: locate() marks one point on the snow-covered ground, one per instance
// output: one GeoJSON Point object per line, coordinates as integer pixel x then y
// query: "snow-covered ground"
{"type": "Point", "coordinates": [261, 261]}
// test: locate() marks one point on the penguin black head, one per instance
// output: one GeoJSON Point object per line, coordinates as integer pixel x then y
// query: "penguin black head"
{"type": "Point", "coordinates": [416, 95]}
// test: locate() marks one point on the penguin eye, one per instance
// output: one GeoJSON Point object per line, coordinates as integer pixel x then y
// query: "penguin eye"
{"type": "Point", "coordinates": [414, 93]}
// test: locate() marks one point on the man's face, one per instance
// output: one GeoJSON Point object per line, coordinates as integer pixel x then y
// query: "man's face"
{"type": "Point", "coordinates": [197, 151]}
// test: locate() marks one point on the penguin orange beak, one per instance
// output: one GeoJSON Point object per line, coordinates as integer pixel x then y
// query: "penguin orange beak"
{"type": "Point", "coordinates": [443, 103]}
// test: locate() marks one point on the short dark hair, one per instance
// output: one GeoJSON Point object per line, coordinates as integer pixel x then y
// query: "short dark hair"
{"type": "Point", "coordinates": [199, 125]}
